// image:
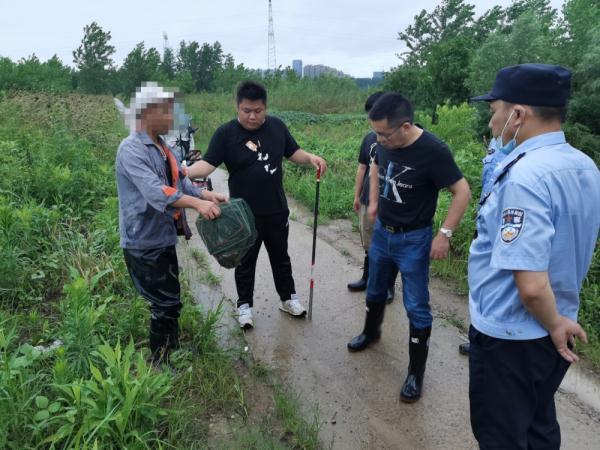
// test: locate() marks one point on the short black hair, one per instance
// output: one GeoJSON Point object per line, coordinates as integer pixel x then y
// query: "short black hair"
{"type": "Point", "coordinates": [372, 99]}
{"type": "Point", "coordinates": [551, 113]}
{"type": "Point", "coordinates": [394, 107]}
{"type": "Point", "coordinates": [251, 90]}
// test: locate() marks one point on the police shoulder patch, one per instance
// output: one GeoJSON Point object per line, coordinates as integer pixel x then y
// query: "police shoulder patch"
{"type": "Point", "coordinates": [512, 224]}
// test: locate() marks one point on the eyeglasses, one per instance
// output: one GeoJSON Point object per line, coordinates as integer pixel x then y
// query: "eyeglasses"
{"type": "Point", "coordinates": [387, 136]}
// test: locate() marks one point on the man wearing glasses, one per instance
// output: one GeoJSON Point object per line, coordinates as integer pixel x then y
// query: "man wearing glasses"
{"type": "Point", "coordinates": [410, 168]}
{"type": "Point", "coordinates": [368, 149]}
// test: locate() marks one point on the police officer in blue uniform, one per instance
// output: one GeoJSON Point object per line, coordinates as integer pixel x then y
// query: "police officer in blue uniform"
{"type": "Point", "coordinates": [536, 234]}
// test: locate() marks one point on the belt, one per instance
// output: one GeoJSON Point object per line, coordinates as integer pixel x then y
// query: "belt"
{"type": "Point", "coordinates": [402, 228]}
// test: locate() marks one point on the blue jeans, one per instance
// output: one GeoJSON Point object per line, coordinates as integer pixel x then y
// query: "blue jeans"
{"type": "Point", "coordinates": [409, 252]}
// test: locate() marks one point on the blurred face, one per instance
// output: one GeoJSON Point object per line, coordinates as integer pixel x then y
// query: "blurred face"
{"type": "Point", "coordinates": [390, 137]}
{"type": "Point", "coordinates": [251, 113]}
{"type": "Point", "coordinates": [159, 117]}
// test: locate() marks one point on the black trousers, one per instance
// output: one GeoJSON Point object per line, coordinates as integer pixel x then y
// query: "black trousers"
{"type": "Point", "coordinates": [155, 275]}
{"type": "Point", "coordinates": [511, 391]}
{"type": "Point", "coordinates": [273, 231]}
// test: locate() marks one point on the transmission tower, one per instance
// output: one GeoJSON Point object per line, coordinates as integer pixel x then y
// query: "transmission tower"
{"type": "Point", "coordinates": [165, 42]}
{"type": "Point", "coordinates": [272, 62]}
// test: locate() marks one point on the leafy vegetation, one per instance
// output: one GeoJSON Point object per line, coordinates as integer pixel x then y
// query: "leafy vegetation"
{"type": "Point", "coordinates": [73, 370]}
{"type": "Point", "coordinates": [453, 55]}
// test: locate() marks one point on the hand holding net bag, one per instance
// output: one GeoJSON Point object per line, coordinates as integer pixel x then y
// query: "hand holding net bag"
{"type": "Point", "coordinates": [229, 237]}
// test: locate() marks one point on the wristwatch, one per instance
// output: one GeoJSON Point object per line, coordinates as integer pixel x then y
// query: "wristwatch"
{"type": "Point", "coordinates": [446, 232]}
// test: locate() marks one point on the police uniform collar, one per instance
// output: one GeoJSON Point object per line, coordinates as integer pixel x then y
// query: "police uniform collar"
{"type": "Point", "coordinates": [534, 143]}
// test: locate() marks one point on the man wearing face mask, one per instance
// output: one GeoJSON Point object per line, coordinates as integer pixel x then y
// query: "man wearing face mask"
{"type": "Point", "coordinates": [411, 166]}
{"type": "Point", "coordinates": [536, 234]}
{"type": "Point", "coordinates": [253, 146]}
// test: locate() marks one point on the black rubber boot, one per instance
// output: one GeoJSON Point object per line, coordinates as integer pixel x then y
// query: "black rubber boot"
{"type": "Point", "coordinates": [361, 284]}
{"type": "Point", "coordinates": [372, 330]}
{"type": "Point", "coordinates": [164, 337]}
{"type": "Point", "coordinates": [418, 348]}
{"type": "Point", "coordinates": [392, 289]}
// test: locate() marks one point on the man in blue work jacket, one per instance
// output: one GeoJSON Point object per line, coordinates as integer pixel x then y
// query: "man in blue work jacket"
{"type": "Point", "coordinates": [153, 194]}
{"type": "Point", "coordinates": [536, 234]}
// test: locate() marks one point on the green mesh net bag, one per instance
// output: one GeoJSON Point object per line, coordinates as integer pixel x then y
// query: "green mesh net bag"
{"type": "Point", "coordinates": [229, 237]}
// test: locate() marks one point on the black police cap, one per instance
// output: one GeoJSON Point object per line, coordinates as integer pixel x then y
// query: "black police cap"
{"type": "Point", "coordinates": [531, 84]}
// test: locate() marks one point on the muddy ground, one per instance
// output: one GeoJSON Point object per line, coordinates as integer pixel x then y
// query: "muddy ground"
{"type": "Point", "coordinates": [357, 394]}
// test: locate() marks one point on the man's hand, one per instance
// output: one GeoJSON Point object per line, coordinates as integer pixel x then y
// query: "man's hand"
{"type": "Point", "coordinates": [356, 204]}
{"type": "Point", "coordinates": [215, 197]}
{"type": "Point", "coordinates": [538, 298]}
{"type": "Point", "coordinates": [563, 332]}
{"type": "Point", "coordinates": [440, 247]}
{"type": "Point", "coordinates": [208, 209]}
{"type": "Point", "coordinates": [318, 163]}
{"type": "Point", "coordinates": [372, 212]}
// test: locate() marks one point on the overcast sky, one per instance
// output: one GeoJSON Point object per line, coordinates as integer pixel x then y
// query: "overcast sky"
{"type": "Point", "coordinates": [355, 36]}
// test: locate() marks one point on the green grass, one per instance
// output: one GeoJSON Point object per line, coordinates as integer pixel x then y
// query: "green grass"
{"type": "Point", "coordinates": [62, 276]}
{"type": "Point", "coordinates": [300, 433]}
{"type": "Point", "coordinates": [205, 274]}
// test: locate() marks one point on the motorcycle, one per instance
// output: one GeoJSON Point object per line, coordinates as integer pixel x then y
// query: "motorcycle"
{"type": "Point", "coordinates": [189, 157]}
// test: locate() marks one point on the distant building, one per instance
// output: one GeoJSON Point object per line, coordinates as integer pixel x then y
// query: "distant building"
{"type": "Point", "coordinates": [377, 76]}
{"type": "Point", "coordinates": [317, 70]}
{"type": "Point", "coordinates": [297, 66]}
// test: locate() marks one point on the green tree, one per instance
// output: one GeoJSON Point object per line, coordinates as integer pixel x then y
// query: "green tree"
{"type": "Point", "coordinates": [580, 17]}
{"type": "Point", "coordinates": [167, 65]}
{"type": "Point", "coordinates": [201, 62]}
{"type": "Point", "coordinates": [229, 75]}
{"type": "Point", "coordinates": [527, 42]}
{"type": "Point", "coordinates": [32, 74]}
{"type": "Point", "coordinates": [56, 76]}
{"type": "Point", "coordinates": [139, 65]}
{"type": "Point", "coordinates": [545, 13]}
{"type": "Point", "coordinates": [585, 100]}
{"type": "Point", "coordinates": [440, 45]}
{"type": "Point", "coordinates": [93, 59]}
{"type": "Point", "coordinates": [7, 73]}
{"type": "Point", "coordinates": [449, 19]}
{"type": "Point", "coordinates": [188, 62]}
{"type": "Point", "coordinates": [580, 50]}
{"type": "Point", "coordinates": [413, 81]}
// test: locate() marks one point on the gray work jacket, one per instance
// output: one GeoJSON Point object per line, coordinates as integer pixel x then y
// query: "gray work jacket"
{"type": "Point", "coordinates": [146, 218]}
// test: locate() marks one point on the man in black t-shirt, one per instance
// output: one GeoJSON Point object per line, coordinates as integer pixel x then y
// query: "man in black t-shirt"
{"type": "Point", "coordinates": [368, 149]}
{"type": "Point", "coordinates": [410, 168]}
{"type": "Point", "coordinates": [252, 147]}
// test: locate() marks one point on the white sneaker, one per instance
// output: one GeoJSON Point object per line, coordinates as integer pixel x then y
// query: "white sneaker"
{"type": "Point", "coordinates": [292, 306]}
{"type": "Point", "coordinates": [245, 316]}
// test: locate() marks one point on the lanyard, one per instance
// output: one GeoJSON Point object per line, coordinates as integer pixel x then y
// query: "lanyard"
{"type": "Point", "coordinates": [500, 178]}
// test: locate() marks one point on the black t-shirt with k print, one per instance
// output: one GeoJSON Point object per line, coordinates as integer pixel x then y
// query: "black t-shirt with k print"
{"type": "Point", "coordinates": [254, 162]}
{"type": "Point", "coordinates": [410, 179]}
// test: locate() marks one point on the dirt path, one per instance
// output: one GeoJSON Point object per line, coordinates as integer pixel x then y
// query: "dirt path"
{"type": "Point", "coordinates": [357, 394]}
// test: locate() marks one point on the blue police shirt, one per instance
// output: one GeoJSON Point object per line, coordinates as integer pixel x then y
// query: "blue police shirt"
{"type": "Point", "coordinates": [490, 162]}
{"type": "Point", "coordinates": [543, 215]}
